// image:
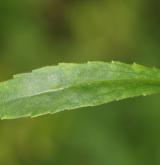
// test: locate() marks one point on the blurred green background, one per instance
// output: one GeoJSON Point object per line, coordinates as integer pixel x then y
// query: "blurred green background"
{"type": "Point", "coordinates": [36, 33]}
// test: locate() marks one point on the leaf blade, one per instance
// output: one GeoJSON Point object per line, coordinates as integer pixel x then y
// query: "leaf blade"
{"type": "Point", "coordinates": [70, 86]}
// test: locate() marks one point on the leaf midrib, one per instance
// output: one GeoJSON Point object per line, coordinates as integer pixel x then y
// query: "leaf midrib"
{"type": "Point", "coordinates": [152, 82]}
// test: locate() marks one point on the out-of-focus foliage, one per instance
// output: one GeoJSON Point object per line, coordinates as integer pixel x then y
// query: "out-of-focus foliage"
{"type": "Point", "coordinates": [35, 33]}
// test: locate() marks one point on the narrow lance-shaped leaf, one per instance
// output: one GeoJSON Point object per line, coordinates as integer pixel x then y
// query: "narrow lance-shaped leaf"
{"type": "Point", "coordinates": [68, 86]}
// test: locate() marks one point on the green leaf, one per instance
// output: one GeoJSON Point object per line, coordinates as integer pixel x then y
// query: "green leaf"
{"type": "Point", "coordinates": [68, 86]}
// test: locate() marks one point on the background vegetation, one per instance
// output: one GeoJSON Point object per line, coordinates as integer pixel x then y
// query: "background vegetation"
{"type": "Point", "coordinates": [36, 33]}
